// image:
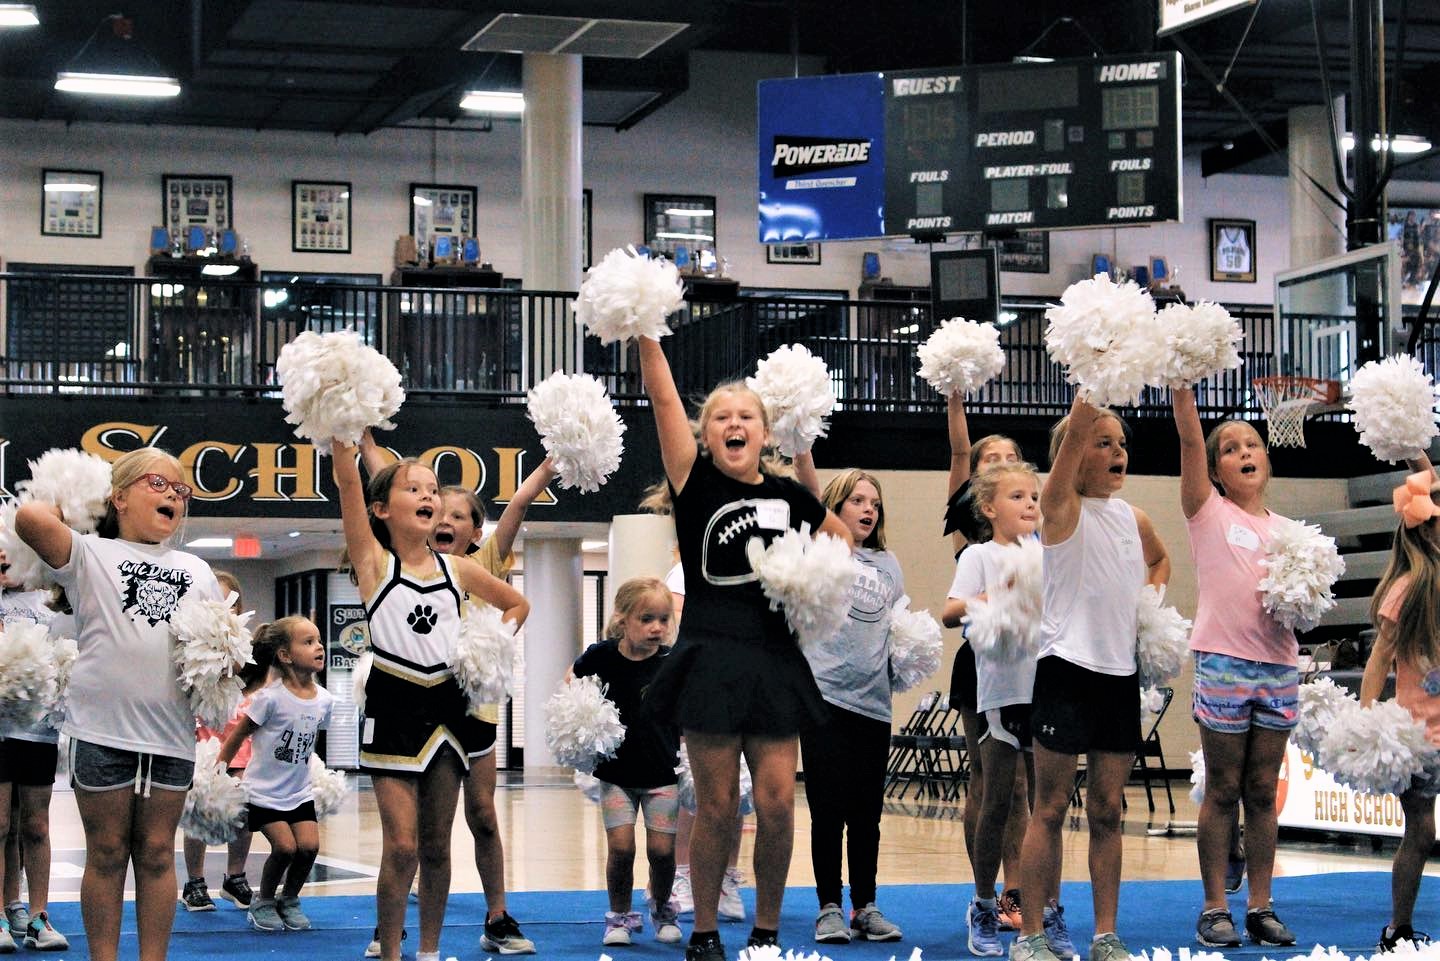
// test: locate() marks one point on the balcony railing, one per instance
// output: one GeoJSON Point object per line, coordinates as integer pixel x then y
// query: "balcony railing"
{"type": "Point", "coordinates": [72, 333]}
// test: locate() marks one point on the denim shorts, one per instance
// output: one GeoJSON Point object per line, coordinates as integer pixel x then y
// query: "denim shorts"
{"type": "Point", "coordinates": [1231, 693]}
{"type": "Point", "coordinates": [94, 767]}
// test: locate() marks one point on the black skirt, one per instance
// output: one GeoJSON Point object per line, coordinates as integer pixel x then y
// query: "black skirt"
{"type": "Point", "coordinates": [715, 684]}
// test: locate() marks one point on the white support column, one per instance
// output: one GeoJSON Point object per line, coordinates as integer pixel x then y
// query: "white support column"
{"type": "Point", "coordinates": [641, 545]}
{"type": "Point", "coordinates": [550, 202]}
{"type": "Point", "coordinates": [1317, 225]}
{"type": "Point", "coordinates": [554, 586]}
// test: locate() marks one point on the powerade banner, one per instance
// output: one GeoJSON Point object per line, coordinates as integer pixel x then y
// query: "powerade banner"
{"type": "Point", "coordinates": [244, 461]}
{"type": "Point", "coordinates": [822, 158]}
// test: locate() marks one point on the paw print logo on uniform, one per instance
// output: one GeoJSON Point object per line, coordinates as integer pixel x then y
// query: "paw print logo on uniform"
{"type": "Point", "coordinates": [422, 619]}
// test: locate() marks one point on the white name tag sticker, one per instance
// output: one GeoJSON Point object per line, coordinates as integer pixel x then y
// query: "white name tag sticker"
{"type": "Point", "coordinates": [369, 734]}
{"type": "Point", "coordinates": [772, 515]}
{"type": "Point", "coordinates": [1242, 536]}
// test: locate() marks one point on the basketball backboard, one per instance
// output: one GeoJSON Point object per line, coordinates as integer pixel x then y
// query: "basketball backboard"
{"type": "Point", "coordinates": [1336, 313]}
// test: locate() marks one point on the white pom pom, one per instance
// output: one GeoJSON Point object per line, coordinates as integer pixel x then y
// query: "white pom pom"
{"type": "Point", "coordinates": [579, 428]}
{"type": "Point", "coordinates": [1103, 334]}
{"type": "Point", "coordinates": [809, 577]}
{"type": "Point", "coordinates": [1197, 776]}
{"type": "Point", "coordinates": [215, 807]}
{"type": "Point", "coordinates": [589, 786]}
{"type": "Point", "coordinates": [328, 788]}
{"type": "Point", "coordinates": [960, 356]}
{"type": "Point", "coordinates": [771, 952]}
{"type": "Point", "coordinates": [65, 652]}
{"type": "Point", "coordinates": [582, 725]}
{"type": "Point", "coordinates": [212, 645]}
{"type": "Point", "coordinates": [794, 386]}
{"type": "Point", "coordinates": [26, 567]}
{"type": "Point", "coordinates": [1376, 749]}
{"type": "Point", "coordinates": [1006, 623]}
{"type": "Point", "coordinates": [1199, 342]}
{"type": "Point", "coordinates": [484, 655]}
{"type": "Point", "coordinates": [1394, 404]}
{"type": "Point", "coordinates": [685, 786]}
{"type": "Point", "coordinates": [1152, 699]}
{"type": "Point", "coordinates": [1302, 566]}
{"type": "Point", "coordinates": [1162, 637]}
{"type": "Point", "coordinates": [915, 646]}
{"type": "Point", "coordinates": [626, 295]}
{"type": "Point", "coordinates": [334, 386]}
{"type": "Point", "coordinates": [1320, 702]}
{"type": "Point", "coordinates": [30, 683]}
{"type": "Point", "coordinates": [363, 664]}
{"type": "Point", "coordinates": [74, 481]}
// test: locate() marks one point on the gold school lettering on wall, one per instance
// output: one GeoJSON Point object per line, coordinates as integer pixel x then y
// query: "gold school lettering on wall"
{"type": "Point", "coordinates": [294, 472]}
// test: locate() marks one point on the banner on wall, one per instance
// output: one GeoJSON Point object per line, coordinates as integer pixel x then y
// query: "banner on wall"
{"type": "Point", "coordinates": [244, 461]}
{"type": "Point", "coordinates": [1308, 797]}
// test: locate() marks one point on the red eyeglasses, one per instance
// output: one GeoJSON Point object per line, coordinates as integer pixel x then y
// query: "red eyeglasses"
{"type": "Point", "coordinates": [160, 484]}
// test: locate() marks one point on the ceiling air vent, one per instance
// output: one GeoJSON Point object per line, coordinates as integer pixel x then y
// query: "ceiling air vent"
{"type": "Point", "coordinates": [524, 33]}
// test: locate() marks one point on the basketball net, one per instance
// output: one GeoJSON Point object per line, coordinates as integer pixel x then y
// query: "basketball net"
{"type": "Point", "coordinates": [1285, 402]}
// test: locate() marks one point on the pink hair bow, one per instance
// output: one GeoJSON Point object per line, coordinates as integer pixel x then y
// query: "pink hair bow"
{"type": "Point", "coordinates": [1412, 499]}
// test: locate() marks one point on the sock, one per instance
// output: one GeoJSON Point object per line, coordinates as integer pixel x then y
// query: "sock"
{"type": "Point", "coordinates": [427, 956]}
{"type": "Point", "coordinates": [193, 877]}
{"type": "Point", "coordinates": [764, 935]}
{"type": "Point", "coordinates": [704, 937]}
{"type": "Point", "coordinates": [1099, 935]}
{"type": "Point", "coordinates": [987, 903]}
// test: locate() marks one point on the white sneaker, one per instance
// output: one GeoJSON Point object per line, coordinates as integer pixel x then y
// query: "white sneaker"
{"type": "Point", "coordinates": [680, 892]}
{"type": "Point", "coordinates": [731, 907]}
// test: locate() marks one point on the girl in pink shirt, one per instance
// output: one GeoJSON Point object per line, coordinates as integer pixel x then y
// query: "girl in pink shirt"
{"type": "Point", "coordinates": [1406, 615]}
{"type": "Point", "coordinates": [1246, 681]}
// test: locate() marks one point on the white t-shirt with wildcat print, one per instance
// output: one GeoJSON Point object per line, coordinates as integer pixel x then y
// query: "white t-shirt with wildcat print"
{"type": "Point", "coordinates": [124, 691]}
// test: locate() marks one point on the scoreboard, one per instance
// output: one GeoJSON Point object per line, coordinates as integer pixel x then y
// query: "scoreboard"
{"type": "Point", "coordinates": [1079, 143]}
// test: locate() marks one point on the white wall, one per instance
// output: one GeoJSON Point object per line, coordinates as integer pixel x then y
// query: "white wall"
{"type": "Point", "coordinates": [702, 142]}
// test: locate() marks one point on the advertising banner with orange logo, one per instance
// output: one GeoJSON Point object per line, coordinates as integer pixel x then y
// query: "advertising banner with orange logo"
{"type": "Point", "coordinates": [1308, 797]}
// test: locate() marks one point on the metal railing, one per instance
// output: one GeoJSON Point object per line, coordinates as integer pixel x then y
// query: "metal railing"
{"type": "Point", "coordinates": [100, 334]}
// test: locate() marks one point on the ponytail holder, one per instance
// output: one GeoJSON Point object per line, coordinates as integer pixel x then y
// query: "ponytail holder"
{"type": "Point", "coordinates": [1412, 499]}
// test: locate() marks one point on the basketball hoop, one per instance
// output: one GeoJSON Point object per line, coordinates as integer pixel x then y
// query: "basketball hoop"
{"type": "Point", "coordinates": [1287, 400]}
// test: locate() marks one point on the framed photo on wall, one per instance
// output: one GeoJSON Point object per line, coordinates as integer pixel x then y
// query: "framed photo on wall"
{"type": "Point", "coordinates": [1232, 251]}
{"type": "Point", "coordinates": [196, 200]}
{"type": "Point", "coordinates": [674, 221]}
{"type": "Point", "coordinates": [320, 216]}
{"type": "Point", "coordinates": [1028, 252]}
{"type": "Point", "coordinates": [441, 210]}
{"type": "Point", "coordinates": [800, 252]}
{"type": "Point", "coordinates": [1415, 229]}
{"type": "Point", "coordinates": [70, 202]}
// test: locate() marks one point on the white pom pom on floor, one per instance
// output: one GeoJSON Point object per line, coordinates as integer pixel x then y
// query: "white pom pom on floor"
{"type": "Point", "coordinates": [582, 725]}
{"type": "Point", "coordinates": [212, 644]}
{"type": "Point", "coordinates": [808, 577]}
{"type": "Point", "coordinates": [578, 427]}
{"type": "Point", "coordinates": [626, 295]}
{"type": "Point", "coordinates": [794, 385]}
{"type": "Point", "coordinates": [1394, 404]}
{"type": "Point", "coordinates": [215, 806]}
{"type": "Point", "coordinates": [960, 356]}
{"type": "Point", "coordinates": [1302, 566]}
{"type": "Point", "coordinates": [74, 481]}
{"type": "Point", "coordinates": [484, 655]}
{"type": "Point", "coordinates": [335, 386]}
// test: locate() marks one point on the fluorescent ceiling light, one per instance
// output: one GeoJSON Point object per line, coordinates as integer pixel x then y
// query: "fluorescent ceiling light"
{"type": "Point", "coordinates": [493, 101]}
{"type": "Point", "coordinates": [219, 270]}
{"type": "Point", "coordinates": [202, 542]}
{"type": "Point", "coordinates": [1400, 143]}
{"type": "Point", "coordinates": [117, 84]}
{"type": "Point", "coordinates": [678, 212]}
{"type": "Point", "coordinates": [670, 235]}
{"type": "Point", "coordinates": [594, 545]}
{"type": "Point", "coordinates": [420, 201]}
{"type": "Point", "coordinates": [18, 15]}
{"type": "Point", "coordinates": [293, 534]}
{"type": "Point", "coordinates": [69, 188]}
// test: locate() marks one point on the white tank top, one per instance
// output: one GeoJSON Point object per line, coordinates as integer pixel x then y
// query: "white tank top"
{"type": "Point", "coordinates": [1092, 583]}
{"type": "Point", "coordinates": [415, 623]}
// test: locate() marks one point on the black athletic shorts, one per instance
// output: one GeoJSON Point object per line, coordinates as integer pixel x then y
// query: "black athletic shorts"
{"type": "Point", "coordinates": [1076, 710]}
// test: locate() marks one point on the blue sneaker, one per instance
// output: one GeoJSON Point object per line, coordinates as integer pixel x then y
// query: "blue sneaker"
{"type": "Point", "coordinates": [984, 930]}
{"type": "Point", "coordinates": [1056, 934]}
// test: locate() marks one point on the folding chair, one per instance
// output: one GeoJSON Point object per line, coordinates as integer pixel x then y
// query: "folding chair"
{"type": "Point", "coordinates": [1150, 748]}
{"type": "Point", "coordinates": [902, 766]}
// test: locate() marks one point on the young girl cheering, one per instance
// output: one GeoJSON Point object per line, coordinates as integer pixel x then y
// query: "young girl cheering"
{"type": "Point", "coordinates": [419, 736]}
{"type": "Point", "coordinates": [1407, 620]}
{"type": "Point", "coordinates": [1099, 553]}
{"type": "Point", "coordinates": [641, 775]}
{"type": "Point", "coordinates": [1246, 679]}
{"type": "Point", "coordinates": [736, 680]}
{"type": "Point", "coordinates": [132, 733]}
{"type": "Point", "coordinates": [1007, 497]}
{"type": "Point", "coordinates": [285, 717]}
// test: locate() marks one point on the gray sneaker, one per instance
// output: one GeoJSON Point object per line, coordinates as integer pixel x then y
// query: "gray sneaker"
{"type": "Point", "coordinates": [830, 926]}
{"type": "Point", "coordinates": [871, 925]}
{"type": "Point", "coordinates": [290, 914]}
{"type": "Point", "coordinates": [1056, 934]}
{"type": "Point", "coordinates": [42, 936]}
{"type": "Point", "coordinates": [1032, 947]}
{"type": "Point", "coordinates": [1109, 947]}
{"type": "Point", "coordinates": [7, 943]}
{"type": "Point", "coordinates": [263, 915]}
{"type": "Point", "coordinates": [17, 914]}
{"type": "Point", "coordinates": [1216, 929]}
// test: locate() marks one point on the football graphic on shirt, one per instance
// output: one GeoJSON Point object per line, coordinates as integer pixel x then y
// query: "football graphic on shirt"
{"type": "Point", "coordinates": [731, 527]}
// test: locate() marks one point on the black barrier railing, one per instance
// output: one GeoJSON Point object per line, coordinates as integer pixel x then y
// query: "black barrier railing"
{"type": "Point", "coordinates": [101, 334]}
